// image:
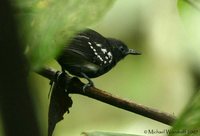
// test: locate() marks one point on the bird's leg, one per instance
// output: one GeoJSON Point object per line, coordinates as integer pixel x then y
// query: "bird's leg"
{"type": "Point", "coordinates": [89, 84]}
{"type": "Point", "coordinates": [63, 70]}
{"type": "Point", "coordinates": [51, 83]}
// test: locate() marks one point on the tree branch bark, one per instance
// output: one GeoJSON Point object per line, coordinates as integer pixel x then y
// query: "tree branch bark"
{"type": "Point", "coordinates": [75, 87]}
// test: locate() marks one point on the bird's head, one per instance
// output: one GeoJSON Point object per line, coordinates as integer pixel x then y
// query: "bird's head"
{"type": "Point", "coordinates": [120, 50]}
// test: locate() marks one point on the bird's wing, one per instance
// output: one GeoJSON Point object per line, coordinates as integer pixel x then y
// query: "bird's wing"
{"type": "Point", "coordinates": [75, 63]}
{"type": "Point", "coordinates": [92, 46]}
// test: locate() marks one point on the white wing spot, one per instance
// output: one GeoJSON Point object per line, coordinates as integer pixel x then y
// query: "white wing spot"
{"type": "Point", "coordinates": [109, 55]}
{"type": "Point", "coordinates": [99, 57]}
{"type": "Point", "coordinates": [91, 47]}
{"type": "Point", "coordinates": [105, 62]}
{"type": "Point", "coordinates": [104, 50]}
{"type": "Point", "coordinates": [98, 45]}
{"type": "Point", "coordinates": [106, 57]}
{"type": "Point", "coordinates": [89, 43]}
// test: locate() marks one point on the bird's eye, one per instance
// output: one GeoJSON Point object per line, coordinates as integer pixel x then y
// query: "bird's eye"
{"type": "Point", "coordinates": [121, 49]}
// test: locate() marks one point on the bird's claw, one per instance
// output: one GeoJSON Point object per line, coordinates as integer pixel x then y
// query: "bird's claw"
{"type": "Point", "coordinates": [90, 84]}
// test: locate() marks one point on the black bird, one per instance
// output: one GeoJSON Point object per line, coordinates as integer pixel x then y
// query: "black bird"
{"type": "Point", "coordinates": [89, 55]}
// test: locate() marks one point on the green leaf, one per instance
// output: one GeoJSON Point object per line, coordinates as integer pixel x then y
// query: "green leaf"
{"type": "Point", "coordinates": [189, 11]}
{"type": "Point", "coordinates": [47, 25]}
{"type": "Point", "coordinates": [189, 122]}
{"type": "Point", "coordinates": [98, 133]}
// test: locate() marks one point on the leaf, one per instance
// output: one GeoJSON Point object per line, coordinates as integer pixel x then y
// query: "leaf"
{"type": "Point", "coordinates": [190, 14]}
{"type": "Point", "coordinates": [189, 121]}
{"type": "Point", "coordinates": [60, 103]}
{"type": "Point", "coordinates": [47, 25]}
{"type": "Point", "coordinates": [98, 133]}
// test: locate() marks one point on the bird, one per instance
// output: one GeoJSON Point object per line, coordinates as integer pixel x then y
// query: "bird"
{"type": "Point", "coordinates": [90, 55]}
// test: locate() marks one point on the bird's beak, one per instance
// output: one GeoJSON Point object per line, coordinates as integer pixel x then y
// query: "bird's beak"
{"type": "Point", "coordinates": [133, 52]}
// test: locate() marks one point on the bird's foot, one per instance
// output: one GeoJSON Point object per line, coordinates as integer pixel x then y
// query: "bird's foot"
{"type": "Point", "coordinates": [89, 84]}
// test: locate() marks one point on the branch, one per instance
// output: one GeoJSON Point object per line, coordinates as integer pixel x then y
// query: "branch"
{"type": "Point", "coordinates": [75, 87]}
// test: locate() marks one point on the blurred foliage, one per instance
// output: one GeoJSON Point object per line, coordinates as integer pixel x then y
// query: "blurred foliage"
{"type": "Point", "coordinates": [165, 77]}
{"type": "Point", "coordinates": [47, 25]}
{"type": "Point", "coordinates": [190, 119]}
{"type": "Point", "coordinates": [190, 15]}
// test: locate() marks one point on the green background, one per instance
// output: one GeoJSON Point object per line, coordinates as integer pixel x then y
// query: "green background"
{"type": "Point", "coordinates": [164, 77]}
